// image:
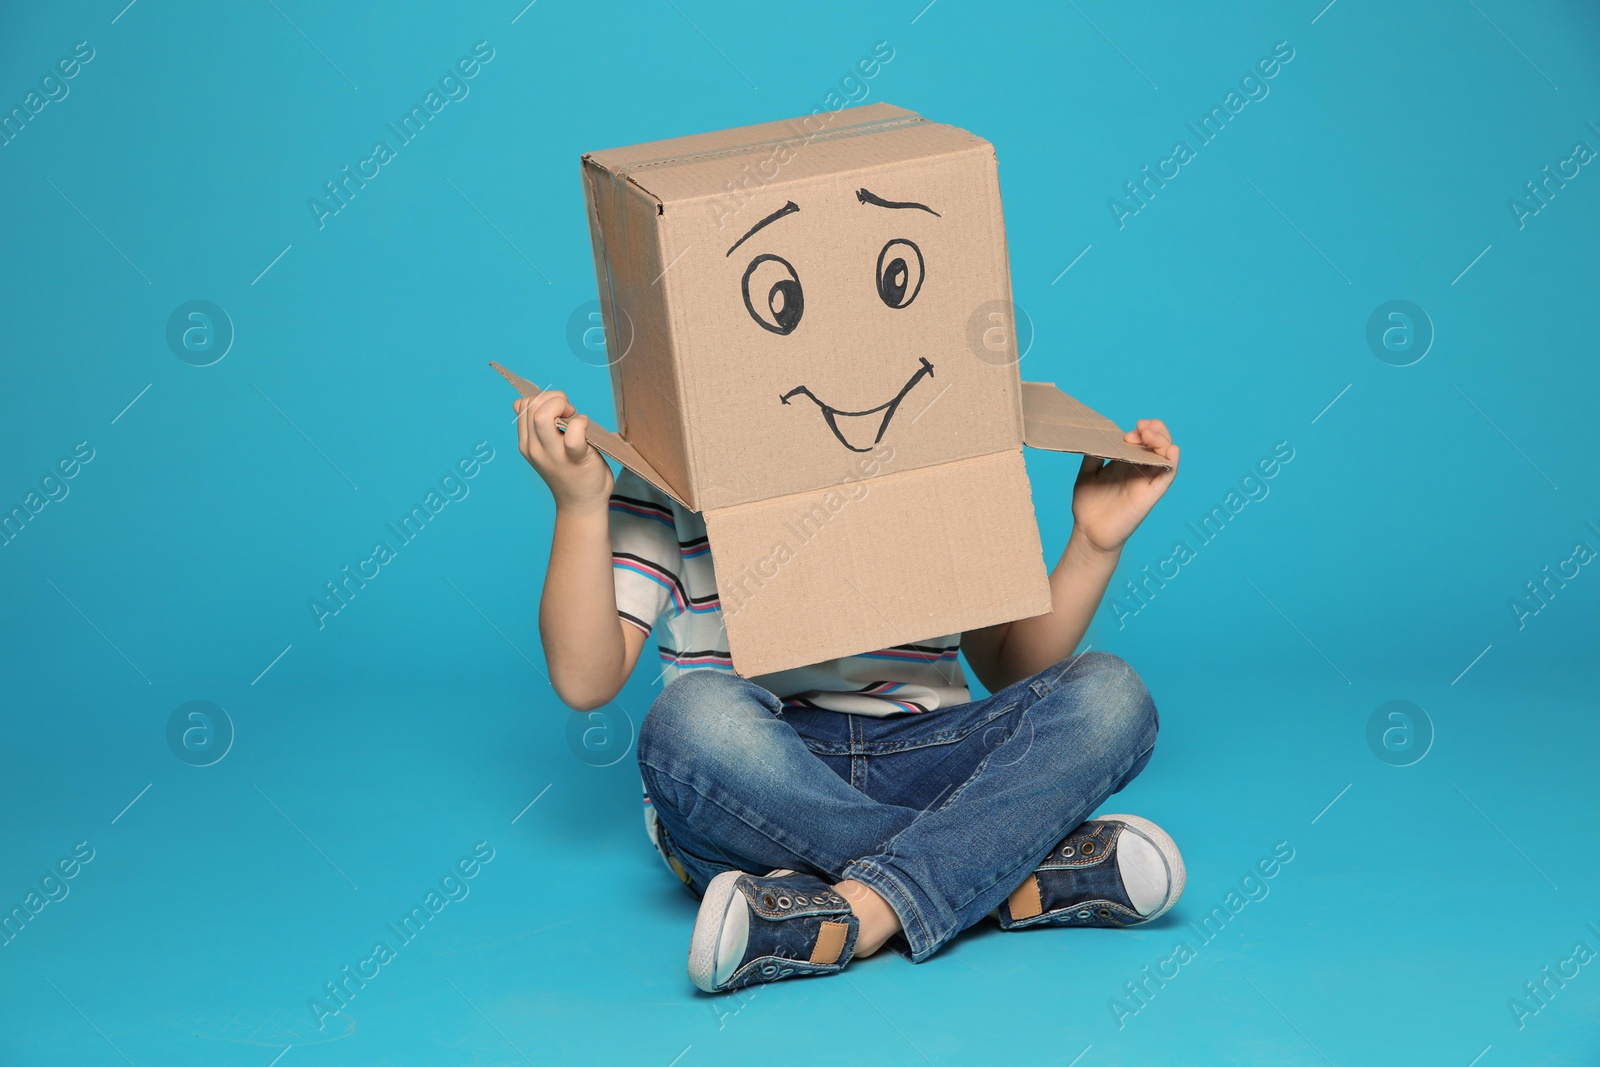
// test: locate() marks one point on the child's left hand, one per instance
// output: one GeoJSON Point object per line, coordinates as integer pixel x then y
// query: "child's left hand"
{"type": "Point", "coordinates": [1111, 499]}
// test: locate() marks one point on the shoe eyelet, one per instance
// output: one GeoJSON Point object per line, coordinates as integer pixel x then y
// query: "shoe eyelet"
{"type": "Point", "coordinates": [1104, 913]}
{"type": "Point", "coordinates": [769, 900]}
{"type": "Point", "coordinates": [802, 901]}
{"type": "Point", "coordinates": [1068, 851]}
{"type": "Point", "coordinates": [784, 902]}
{"type": "Point", "coordinates": [1088, 848]}
{"type": "Point", "coordinates": [1083, 914]}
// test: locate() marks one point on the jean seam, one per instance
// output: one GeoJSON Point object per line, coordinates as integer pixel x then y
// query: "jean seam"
{"type": "Point", "coordinates": [883, 879]}
{"type": "Point", "coordinates": [979, 769]}
{"type": "Point", "coordinates": [643, 749]}
{"type": "Point", "coordinates": [984, 763]}
{"type": "Point", "coordinates": [779, 838]}
{"type": "Point", "coordinates": [854, 754]}
{"type": "Point", "coordinates": [1055, 679]}
{"type": "Point", "coordinates": [858, 745]}
{"type": "Point", "coordinates": [999, 876]}
{"type": "Point", "coordinates": [1003, 874]}
{"type": "Point", "coordinates": [951, 799]}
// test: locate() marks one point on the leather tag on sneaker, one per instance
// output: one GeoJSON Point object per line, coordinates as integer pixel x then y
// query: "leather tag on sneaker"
{"type": "Point", "coordinates": [830, 943]}
{"type": "Point", "coordinates": [1024, 900]}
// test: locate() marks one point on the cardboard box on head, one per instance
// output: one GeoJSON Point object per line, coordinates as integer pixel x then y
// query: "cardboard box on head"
{"type": "Point", "coordinates": [810, 344]}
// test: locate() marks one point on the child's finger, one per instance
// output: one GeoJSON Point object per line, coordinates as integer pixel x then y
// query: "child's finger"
{"type": "Point", "coordinates": [1163, 478]}
{"type": "Point", "coordinates": [520, 406]}
{"type": "Point", "coordinates": [575, 442]}
{"type": "Point", "coordinates": [550, 406]}
{"type": "Point", "coordinates": [1158, 479]}
{"type": "Point", "coordinates": [525, 440]}
{"type": "Point", "coordinates": [1090, 465]}
{"type": "Point", "coordinates": [555, 403]}
{"type": "Point", "coordinates": [557, 400]}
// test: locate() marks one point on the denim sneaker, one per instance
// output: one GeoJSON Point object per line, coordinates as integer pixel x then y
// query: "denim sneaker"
{"type": "Point", "coordinates": [1115, 870]}
{"type": "Point", "coordinates": [760, 928]}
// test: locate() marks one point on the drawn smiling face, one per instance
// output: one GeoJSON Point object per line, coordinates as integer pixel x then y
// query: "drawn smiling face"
{"type": "Point", "coordinates": [774, 297]}
{"type": "Point", "coordinates": [792, 337]}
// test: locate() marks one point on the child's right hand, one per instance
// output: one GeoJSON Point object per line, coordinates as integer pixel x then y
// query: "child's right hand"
{"type": "Point", "coordinates": [577, 474]}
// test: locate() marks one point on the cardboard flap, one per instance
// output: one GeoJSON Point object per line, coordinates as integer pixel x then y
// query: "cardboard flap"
{"type": "Point", "coordinates": [892, 560]}
{"type": "Point", "coordinates": [1054, 421]}
{"type": "Point", "coordinates": [604, 440]}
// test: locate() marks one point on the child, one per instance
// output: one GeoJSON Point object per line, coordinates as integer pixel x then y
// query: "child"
{"type": "Point", "coordinates": [823, 812]}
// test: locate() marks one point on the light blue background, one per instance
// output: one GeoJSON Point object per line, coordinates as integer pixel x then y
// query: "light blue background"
{"type": "Point", "coordinates": [1380, 567]}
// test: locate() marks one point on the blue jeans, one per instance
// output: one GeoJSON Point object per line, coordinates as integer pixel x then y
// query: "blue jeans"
{"type": "Point", "coordinates": [941, 813]}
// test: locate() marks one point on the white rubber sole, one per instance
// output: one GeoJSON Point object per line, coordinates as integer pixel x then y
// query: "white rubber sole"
{"type": "Point", "coordinates": [706, 941]}
{"type": "Point", "coordinates": [1168, 850]}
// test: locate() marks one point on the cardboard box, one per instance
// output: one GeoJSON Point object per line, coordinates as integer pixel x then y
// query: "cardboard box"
{"type": "Point", "coordinates": [818, 337]}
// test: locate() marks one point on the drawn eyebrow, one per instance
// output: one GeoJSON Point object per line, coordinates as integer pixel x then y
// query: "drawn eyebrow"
{"type": "Point", "coordinates": [867, 196]}
{"type": "Point", "coordinates": [788, 209]}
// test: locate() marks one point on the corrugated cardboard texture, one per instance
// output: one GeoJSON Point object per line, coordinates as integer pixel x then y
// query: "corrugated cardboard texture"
{"type": "Point", "coordinates": [1055, 421]}
{"type": "Point", "coordinates": [909, 556]}
{"type": "Point", "coordinates": [883, 231]}
{"type": "Point", "coordinates": [600, 437]}
{"type": "Point", "coordinates": [759, 141]}
{"type": "Point", "coordinates": [639, 339]}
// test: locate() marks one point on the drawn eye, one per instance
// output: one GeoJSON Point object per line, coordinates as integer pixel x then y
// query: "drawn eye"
{"type": "Point", "coordinates": [899, 273]}
{"type": "Point", "coordinates": [772, 294]}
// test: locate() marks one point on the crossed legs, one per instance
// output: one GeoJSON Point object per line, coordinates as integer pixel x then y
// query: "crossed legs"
{"type": "Point", "coordinates": [925, 823]}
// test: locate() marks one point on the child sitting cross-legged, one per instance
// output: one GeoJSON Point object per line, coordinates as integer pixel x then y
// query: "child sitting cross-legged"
{"type": "Point", "coordinates": [824, 812]}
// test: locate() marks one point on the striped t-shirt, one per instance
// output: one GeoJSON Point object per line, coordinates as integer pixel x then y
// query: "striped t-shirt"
{"type": "Point", "coordinates": [661, 563]}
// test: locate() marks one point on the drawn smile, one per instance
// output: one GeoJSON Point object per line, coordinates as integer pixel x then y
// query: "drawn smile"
{"type": "Point", "coordinates": [874, 421]}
